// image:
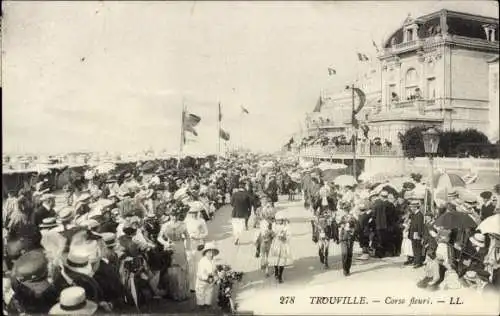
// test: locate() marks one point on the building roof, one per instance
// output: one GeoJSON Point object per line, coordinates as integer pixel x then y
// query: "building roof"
{"type": "Point", "coordinates": [458, 23]}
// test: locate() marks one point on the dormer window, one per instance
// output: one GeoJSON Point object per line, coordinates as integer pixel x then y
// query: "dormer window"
{"type": "Point", "coordinates": [410, 29]}
{"type": "Point", "coordinates": [490, 32]}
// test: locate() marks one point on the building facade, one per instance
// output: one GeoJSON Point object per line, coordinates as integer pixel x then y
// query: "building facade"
{"type": "Point", "coordinates": [435, 71]}
{"type": "Point", "coordinates": [439, 70]}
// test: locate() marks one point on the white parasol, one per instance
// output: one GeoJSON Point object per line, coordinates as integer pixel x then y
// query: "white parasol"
{"type": "Point", "coordinates": [345, 180]}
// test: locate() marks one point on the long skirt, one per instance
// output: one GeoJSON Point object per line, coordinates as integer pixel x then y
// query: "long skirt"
{"type": "Point", "coordinates": [280, 254]}
{"type": "Point", "coordinates": [238, 226]}
{"type": "Point", "coordinates": [406, 248]}
{"type": "Point", "coordinates": [204, 293]}
{"type": "Point", "coordinates": [177, 273]}
{"type": "Point", "coordinates": [194, 257]}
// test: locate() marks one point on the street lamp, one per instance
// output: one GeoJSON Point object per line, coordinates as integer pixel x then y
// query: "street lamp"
{"type": "Point", "coordinates": [431, 143]}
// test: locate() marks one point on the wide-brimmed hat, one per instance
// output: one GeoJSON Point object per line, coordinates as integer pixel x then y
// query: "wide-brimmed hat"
{"type": "Point", "coordinates": [210, 246]}
{"type": "Point", "coordinates": [470, 275]}
{"type": "Point", "coordinates": [384, 193]}
{"type": "Point", "coordinates": [486, 195]}
{"type": "Point", "coordinates": [65, 214]}
{"type": "Point", "coordinates": [73, 301]}
{"type": "Point", "coordinates": [90, 224]}
{"type": "Point", "coordinates": [31, 269]}
{"type": "Point", "coordinates": [47, 196]}
{"type": "Point", "coordinates": [78, 260]}
{"type": "Point", "coordinates": [109, 239]}
{"type": "Point", "coordinates": [84, 198]}
{"type": "Point", "coordinates": [414, 202]}
{"type": "Point", "coordinates": [453, 194]}
{"type": "Point", "coordinates": [47, 223]}
{"type": "Point", "coordinates": [477, 240]}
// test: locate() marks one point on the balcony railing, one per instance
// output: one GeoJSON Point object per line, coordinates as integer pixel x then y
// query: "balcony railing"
{"type": "Point", "coordinates": [362, 149]}
{"type": "Point", "coordinates": [410, 45]}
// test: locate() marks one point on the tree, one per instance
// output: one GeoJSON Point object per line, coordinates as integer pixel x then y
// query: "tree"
{"type": "Point", "coordinates": [412, 142]}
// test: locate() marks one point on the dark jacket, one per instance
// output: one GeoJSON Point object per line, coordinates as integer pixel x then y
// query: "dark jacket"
{"type": "Point", "coordinates": [487, 210]}
{"type": "Point", "coordinates": [42, 213]}
{"type": "Point", "coordinates": [28, 301]}
{"type": "Point", "coordinates": [92, 289]}
{"type": "Point", "coordinates": [416, 225]}
{"type": "Point", "coordinates": [380, 215]}
{"type": "Point", "coordinates": [241, 202]}
{"type": "Point", "coordinates": [272, 190]}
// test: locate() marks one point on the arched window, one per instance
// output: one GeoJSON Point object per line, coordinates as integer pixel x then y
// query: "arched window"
{"type": "Point", "coordinates": [411, 83]}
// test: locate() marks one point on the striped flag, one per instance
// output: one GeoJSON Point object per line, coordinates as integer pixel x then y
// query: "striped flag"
{"type": "Point", "coordinates": [224, 135]}
{"type": "Point", "coordinates": [189, 122]}
{"type": "Point", "coordinates": [362, 57]}
{"type": "Point", "coordinates": [375, 45]}
{"type": "Point", "coordinates": [331, 71]}
{"type": "Point", "coordinates": [244, 110]}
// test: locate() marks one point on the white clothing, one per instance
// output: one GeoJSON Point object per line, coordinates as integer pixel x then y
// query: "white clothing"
{"type": "Point", "coordinates": [196, 227]}
{"type": "Point", "coordinates": [324, 192]}
{"type": "Point", "coordinates": [204, 289]}
{"type": "Point", "coordinates": [238, 226]}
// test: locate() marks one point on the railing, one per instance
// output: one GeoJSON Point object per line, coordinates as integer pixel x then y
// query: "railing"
{"type": "Point", "coordinates": [362, 149]}
{"type": "Point", "coordinates": [407, 45]}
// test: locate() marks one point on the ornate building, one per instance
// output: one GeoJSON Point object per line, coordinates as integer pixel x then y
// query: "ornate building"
{"type": "Point", "coordinates": [440, 69]}
{"type": "Point", "coordinates": [435, 71]}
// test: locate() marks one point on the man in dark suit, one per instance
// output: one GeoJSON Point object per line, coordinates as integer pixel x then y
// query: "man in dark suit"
{"type": "Point", "coordinates": [46, 209]}
{"type": "Point", "coordinates": [416, 232]}
{"type": "Point", "coordinates": [380, 219]}
{"type": "Point", "coordinates": [488, 207]}
{"type": "Point", "coordinates": [241, 201]}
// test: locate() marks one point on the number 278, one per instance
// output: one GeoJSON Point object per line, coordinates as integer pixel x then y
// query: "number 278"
{"type": "Point", "coordinates": [287, 299]}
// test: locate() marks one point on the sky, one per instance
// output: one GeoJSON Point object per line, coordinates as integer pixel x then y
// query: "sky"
{"type": "Point", "coordinates": [112, 76]}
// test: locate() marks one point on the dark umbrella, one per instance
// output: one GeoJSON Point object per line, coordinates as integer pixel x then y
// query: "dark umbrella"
{"type": "Point", "coordinates": [455, 220]}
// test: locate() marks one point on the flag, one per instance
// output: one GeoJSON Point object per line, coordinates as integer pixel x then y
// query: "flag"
{"type": "Point", "coordinates": [360, 57]}
{"type": "Point", "coordinates": [365, 130]}
{"type": "Point", "coordinates": [224, 135]}
{"type": "Point", "coordinates": [244, 110]}
{"type": "Point", "coordinates": [375, 45]}
{"type": "Point", "coordinates": [331, 71]}
{"type": "Point", "coordinates": [319, 105]}
{"type": "Point", "coordinates": [189, 122]}
{"type": "Point", "coordinates": [220, 113]}
{"type": "Point", "coordinates": [365, 58]}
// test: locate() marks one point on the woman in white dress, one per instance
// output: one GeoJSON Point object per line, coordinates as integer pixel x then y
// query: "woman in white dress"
{"type": "Point", "coordinates": [280, 254]}
{"type": "Point", "coordinates": [197, 232]}
{"type": "Point", "coordinates": [206, 277]}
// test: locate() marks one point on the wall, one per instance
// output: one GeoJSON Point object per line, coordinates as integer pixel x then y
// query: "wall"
{"type": "Point", "coordinates": [469, 74]}
{"type": "Point", "coordinates": [494, 102]}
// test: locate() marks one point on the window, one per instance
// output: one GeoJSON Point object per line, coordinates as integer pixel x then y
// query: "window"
{"type": "Point", "coordinates": [411, 83]}
{"type": "Point", "coordinates": [391, 93]}
{"type": "Point", "coordinates": [431, 88]}
{"type": "Point", "coordinates": [409, 35]}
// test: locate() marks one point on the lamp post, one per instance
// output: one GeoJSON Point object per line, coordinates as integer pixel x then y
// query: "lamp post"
{"type": "Point", "coordinates": [431, 143]}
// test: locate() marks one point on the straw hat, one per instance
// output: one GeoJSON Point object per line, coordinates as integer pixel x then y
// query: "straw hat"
{"type": "Point", "coordinates": [384, 194]}
{"type": "Point", "coordinates": [414, 202]}
{"type": "Point", "coordinates": [470, 275]}
{"type": "Point", "coordinates": [109, 239]}
{"type": "Point", "coordinates": [210, 246]}
{"type": "Point", "coordinates": [31, 269]}
{"type": "Point", "coordinates": [78, 260]}
{"type": "Point", "coordinates": [73, 301]}
{"type": "Point", "coordinates": [90, 223]}
{"type": "Point", "coordinates": [47, 196]}
{"type": "Point", "coordinates": [47, 223]}
{"type": "Point", "coordinates": [65, 214]}
{"type": "Point", "coordinates": [477, 240]}
{"type": "Point", "coordinates": [84, 198]}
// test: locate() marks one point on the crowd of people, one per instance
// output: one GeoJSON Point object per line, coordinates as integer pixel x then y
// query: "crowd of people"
{"type": "Point", "coordinates": [458, 244]}
{"type": "Point", "coordinates": [117, 243]}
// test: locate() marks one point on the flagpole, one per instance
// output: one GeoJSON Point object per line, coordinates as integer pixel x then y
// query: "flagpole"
{"type": "Point", "coordinates": [355, 136]}
{"type": "Point", "coordinates": [181, 147]}
{"type": "Point", "coordinates": [218, 131]}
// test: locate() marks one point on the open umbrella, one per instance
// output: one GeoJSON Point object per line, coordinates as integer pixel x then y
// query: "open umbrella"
{"type": "Point", "coordinates": [105, 167]}
{"type": "Point", "coordinates": [454, 219]}
{"type": "Point", "coordinates": [324, 166]}
{"type": "Point", "coordinates": [387, 187]}
{"type": "Point", "coordinates": [463, 193]}
{"type": "Point", "coordinates": [490, 225]}
{"type": "Point", "coordinates": [345, 180]}
{"type": "Point", "coordinates": [448, 180]}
